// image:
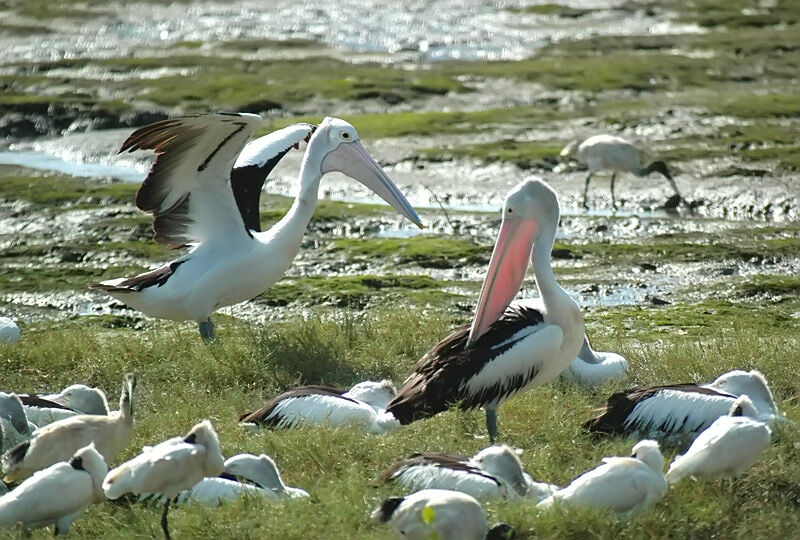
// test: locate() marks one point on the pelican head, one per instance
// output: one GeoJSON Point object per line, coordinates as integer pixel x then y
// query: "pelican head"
{"type": "Point", "coordinates": [752, 383]}
{"type": "Point", "coordinates": [648, 452]}
{"type": "Point", "coordinates": [258, 469]}
{"type": "Point", "coordinates": [11, 409]}
{"type": "Point", "coordinates": [529, 208]}
{"type": "Point", "coordinates": [81, 398]}
{"type": "Point", "coordinates": [373, 393]}
{"type": "Point", "coordinates": [503, 462]}
{"type": "Point", "coordinates": [341, 150]}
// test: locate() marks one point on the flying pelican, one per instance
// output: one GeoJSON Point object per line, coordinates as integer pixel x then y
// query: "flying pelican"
{"type": "Point", "coordinates": [56, 495]}
{"type": "Point", "coordinates": [610, 153]}
{"type": "Point", "coordinates": [682, 409]}
{"type": "Point", "coordinates": [44, 409]}
{"type": "Point", "coordinates": [622, 484]}
{"type": "Point", "coordinates": [315, 404]}
{"type": "Point", "coordinates": [727, 448]}
{"type": "Point", "coordinates": [439, 513]}
{"type": "Point", "coordinates": [260, 470]}
{"type": "Point", "coordinates": [507, 348]}
{"type": "Point", "coordinates": [9, 331]}
{"type": "Point", "coordinates": [197, 201]}
{"type": "Point", "coordinates": [169, 468]}
{"type": "Point", "coordinates": [592, 368]}
{"type": "Point", "coordinates": [60, 440]}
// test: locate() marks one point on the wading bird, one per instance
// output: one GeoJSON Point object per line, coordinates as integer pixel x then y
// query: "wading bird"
{"type": "Point", "coordinates": [56, 495]}
{"type": "Point", "coordinates": [169, 468]}
{"type": "Point", "coordinates": [593, 367]}
{"type": "Point", "coordinates": [682, 409]}
{"type": "Point", "coordinates": [623, 484]}
{"type": "Point", "coordinates": [510, 346]}
{"type": "Point", "coordinates": [197, 201]}
{"type": "Point", "coordinates": [610, 153]}
{"type": "Point", "coordinates": [727, 448]}
{"type": "Point", "coordinates": [60, 440]}
{"type": "Point", "coordinates": [439, 513]}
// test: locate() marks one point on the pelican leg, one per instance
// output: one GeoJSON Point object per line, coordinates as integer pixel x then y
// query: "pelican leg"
{"type": "Point", "coordinates": [613, 199]}
{"type": "Point", "coordinates": [164, 520]}
{"type": "Point", "coordinates": [207, 331]}
{"type": "Point", "coordinates": [491, 424]}
{"type": "Point", "coordinates": [586, 190]}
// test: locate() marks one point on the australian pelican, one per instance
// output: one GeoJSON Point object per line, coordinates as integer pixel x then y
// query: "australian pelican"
{"type": "Point", "coordinates": [202, 197]}
{"type": "Point", "coordinates": [622, 484]}
{"type": "Point", "coordinates": [727, 448]}
{"type": "Point", "coordinates": [169, 468]}
{"type": "Point", "coordinates": [593, 368]}
{"type": "Point", "coordinates": [610, 153]}
{"type": "Point", "coordinates": [682, 409]}
{"type": "Point", "coordinates": [57, 494]}
{"type": "Point", "coordinates": [15, 427]}
{"type": "Point", "coordinates": [363, 405]}
{"type": "Point", "coordinates": [510, 346]}
{"type": "Point", "coordinates": [61, 439]}
{"type": "Point", "coordinates": [43, 409]}
{"type": "Point", "coordinates": [9, 331]}
{"type": "Point", "coordinates": [439, 513]}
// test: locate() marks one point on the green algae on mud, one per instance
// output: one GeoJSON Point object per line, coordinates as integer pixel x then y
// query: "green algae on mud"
{"type": "Point", "coordinates": [46, 190]}
{"type": "Point", "coordinates": [427, 251]}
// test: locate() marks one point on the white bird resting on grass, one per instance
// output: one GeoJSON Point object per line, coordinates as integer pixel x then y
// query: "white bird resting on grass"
{"type": "Point", "coordinates": [245, 475]}
{"type": "Point", "coordinates": [440, 514]}
{"type": "Point", "coordinates": [56, 495]}
{"type": "Point", "coordinates": [333, 407]}
{"type": "Point", "coordinates": [679, 410]}
{"type": "Point", "coordinates": [169, 467]}
{"type": "Point", "coordinates": [9, 331]}
{"type": "Point", "coordinates": [593, 368]}
{"type": "Point", "coordinates": [494, 472]}
{"type": "Point", "coordinates": [44, 409]}
{"type": "Point", "coordinates": [202, 197]}
{"type": "Point", "coordinates": [730, 446]}
{"type": "Point", "coordinates": [625, 485]}
{"type": "Point", "coordinates": [610, 153]}
{"type": "Point", "coordinates": [60, 440]}
{"type": "Point", "coordinates": [510, 346]}
{"type": "Point", "coordinates": [15, 427]}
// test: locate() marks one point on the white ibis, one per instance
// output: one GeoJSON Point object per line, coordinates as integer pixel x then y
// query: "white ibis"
{"type": "Point", "coordinates": [682, 409]}
{"type": "Point", "coordinates": [60, 440]}
{"type": "Point", "coordinates": [333, 407]}
{"type": "Point", "coordinates": [593, 368]}
{"type": "Point", "coordinates": [169, 468]}
{"type": "Point", "coordinates": [625, 485]}
{"type": "Point", "coordinates": [197, 201]}
{"type": "Point", "coordinates": [727, 448]}
{"type": "Point", "coordinates": [610, 153]}
{"type": "Point", "coordinates": [510, 346]}
{"type": "Point", "coordinates": [439, 513]}
{"type": "Point", "coordinates": [56, 495]}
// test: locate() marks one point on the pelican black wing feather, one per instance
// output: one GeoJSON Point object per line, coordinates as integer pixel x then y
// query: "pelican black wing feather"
{"type": "Point", "coordinates": [445, 461]}
{"type": "Point", "coordinates": [434, 385]}
{"type": "Point", "coordinates": [262, 415]}
{"type": "Point", "coordinates": [153, 278]}
{"type": "Point", "coordinates": [37, 401]}
{"type": "Point", "coordinates": [620, 405]}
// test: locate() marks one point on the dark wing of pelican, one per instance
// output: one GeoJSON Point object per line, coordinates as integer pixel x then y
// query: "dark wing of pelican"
{"type": "Point", "coordinates": [263, 415]}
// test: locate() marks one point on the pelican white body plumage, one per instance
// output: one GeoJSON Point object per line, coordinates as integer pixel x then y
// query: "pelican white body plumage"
{"type": "Point", "coordinates": [329, 406]}
{"type": "Point", "coordinates": [56, 495]}
{"type": "Point", "coordinates": [438, 513]}
{"type": "Point", "coordinates": [199, 199]}
{"type": "Point", "coordinates": [625, 485]}
{"type": "Point", "coordinates": [510, 346]}
{"type": "Point", "coordinates": [727, 448]}
{"type": "Point", "coordinates": [683, 409]}
{"type": "Point", "coordinates": [169, 468]}
{"type": "Point", "coordinates": [15, 427]}
{"type": "Point", "coordinates": [593, 368]}
{"type": "Point", "coordinates": [60, 440]}
{"type": "Point", "coordinates": [9, 331]}
{"type": "Point", "coordinates": [44, 409]}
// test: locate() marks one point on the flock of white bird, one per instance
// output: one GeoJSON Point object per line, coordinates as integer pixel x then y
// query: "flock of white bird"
{"type": "Point", "coordinates": [203, 192]}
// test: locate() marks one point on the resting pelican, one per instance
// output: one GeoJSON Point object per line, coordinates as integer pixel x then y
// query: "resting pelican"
{"type": "Point", "coordinates": [510, 346]}
{"type": "Point", "coordinates": [9, 331]}
{"type": "Point", "coordinates": [727, 448]}
{"type": "Point", "coordinates": [610, 153]}
{"type": "Point", "coordinates": [44, 409]}
{"type": "Point", "coordinates": [15, 427]}
{"type": "Point", "coordinates": [197, 200]}
{"type": "Point", "coordinates": [593, 367]}
{"type": "Point", "coordinates": [439, 513]}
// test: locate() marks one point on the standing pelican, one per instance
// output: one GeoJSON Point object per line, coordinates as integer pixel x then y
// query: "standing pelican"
{"type": "Point", "coordinates": [197, 200]}
{"type": "Point", "coordinates": [610, 153]}
{"type": "Point", "coordinates": [510, 346]}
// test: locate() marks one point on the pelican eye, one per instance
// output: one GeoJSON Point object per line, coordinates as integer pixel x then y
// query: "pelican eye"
{"type": "Point", "coordinates": [345, 135]}
{"type": "Point", "coordinates": [510, 210]}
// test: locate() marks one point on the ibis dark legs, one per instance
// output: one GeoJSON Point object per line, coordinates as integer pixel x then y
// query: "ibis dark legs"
{"type": "Point", "coordinates": [491, 424]}
{"type": "Point", "coordinates": [586, 190]}
{"type": "Point", "coordinates": [164, 519]}
{"type": "Point", "coordinates": [207, 331]}
{"type": "Point", "coordinates": [613, 199]}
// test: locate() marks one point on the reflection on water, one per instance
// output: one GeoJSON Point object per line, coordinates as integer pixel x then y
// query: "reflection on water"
{"type": "Point", "coordinates": [48, 162]}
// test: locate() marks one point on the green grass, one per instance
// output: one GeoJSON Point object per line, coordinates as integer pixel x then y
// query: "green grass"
{"type": "Point", "coordinates": [49, 190]}
{"type": "Point", "coordinates": [425, 250]}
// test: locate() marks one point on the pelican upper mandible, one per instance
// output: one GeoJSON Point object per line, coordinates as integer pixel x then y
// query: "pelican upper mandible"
{"type": "Point", "coordinates": [510, 346]}
{"type": "Point", "coordinates": [202, 197]}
